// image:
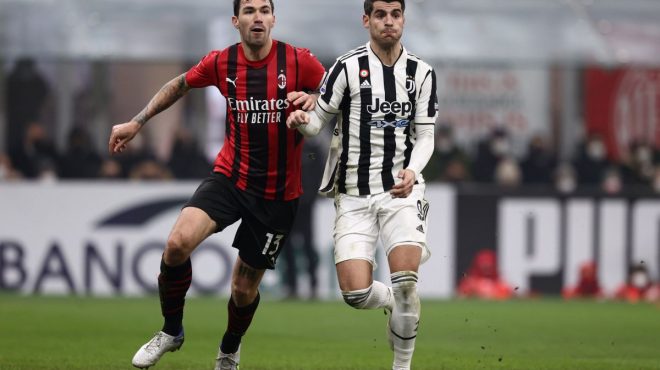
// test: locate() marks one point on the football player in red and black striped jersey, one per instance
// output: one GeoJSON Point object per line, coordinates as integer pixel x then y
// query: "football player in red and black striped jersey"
{"type": "Point", "coordinates": [256, 176]}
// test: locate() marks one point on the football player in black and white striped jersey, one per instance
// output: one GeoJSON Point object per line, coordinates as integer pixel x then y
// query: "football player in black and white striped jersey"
{"type": "Point", "coordinates": [385, 102]}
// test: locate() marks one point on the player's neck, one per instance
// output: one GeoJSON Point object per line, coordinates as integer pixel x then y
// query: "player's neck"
{"type": "Point", "coordinates": [257, 53]}
{"type": "Point", "coordinates": [388, 55]}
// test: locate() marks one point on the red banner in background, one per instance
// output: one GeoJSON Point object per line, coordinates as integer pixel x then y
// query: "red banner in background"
{"type": "Point", "coordinates": [623, 105]}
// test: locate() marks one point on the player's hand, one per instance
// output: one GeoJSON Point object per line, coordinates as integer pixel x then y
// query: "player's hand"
{"type": "Point", "coordinates": [302, 100]}
{"type": "Point", "coordinates": [405, 186]}
{"type": "Point", "coordinates": [121, 134]}
{"type": "Point", "coordinates": [297, 119]}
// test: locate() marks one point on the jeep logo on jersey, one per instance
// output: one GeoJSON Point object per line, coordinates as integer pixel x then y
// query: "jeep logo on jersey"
{"type": "Point", "coordinates": [395, 123]}
{"type": "Point", "coordinates": [402, 109]}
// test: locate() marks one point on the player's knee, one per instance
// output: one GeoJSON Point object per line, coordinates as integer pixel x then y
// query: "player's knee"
{"type": "Point", "coordinates": [177, 250]}
{"type": "Point", "coordinates": [357, 298]}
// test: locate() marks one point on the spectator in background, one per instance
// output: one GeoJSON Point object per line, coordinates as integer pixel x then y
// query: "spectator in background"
{"type": "Point", "coordinates": [587, 286]}
{"type": "Point", "coordinates": [449, 163]}
{"type": "Point", "coordinates": [656, 180]}
{"type": "Point", "coordinates": [133, 156]}
{"type": "Point", "coordinates": [149, 169]}
{"type": "Point", "coordinates": [187, 160]}
{"type": "Point", "coordinates": [638, 167]}
{"type": "Point", "coordinates": [539, 163]}
{"type": "Point", "coordinates": [639, 286]}
{"type": "Point", "coordinates": [490, 152]}
{"type": "Point", "coordinates": [110, 170]}
{"type": "Point", "coordinates": [508, 173]}
{"type": "Point", "coordinates": [80, 161]}
{"type": "Point", "coordinates": [37, 158]}
{"type": "Point", "coordinates": [565, 180]}
{"type": "Point", "coordinates": [612, 181]}
{"type": "Point", "coordinates": [591, 161]}
{"type": "Point", "coordinates": [27, 93]}
{"type": "Point", "coordinates": [7, 171]}
{"type": "Point", "coordinates": [483, 279]}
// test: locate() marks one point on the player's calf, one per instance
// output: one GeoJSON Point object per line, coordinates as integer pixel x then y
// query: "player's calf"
{"type": "Point", "coordinates": [404, 321]}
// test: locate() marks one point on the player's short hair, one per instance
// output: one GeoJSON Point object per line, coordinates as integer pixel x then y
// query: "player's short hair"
{"type": "Point", "coordinates": [369, 5]}
{"type": "Point", "coordinates": [237, 6]}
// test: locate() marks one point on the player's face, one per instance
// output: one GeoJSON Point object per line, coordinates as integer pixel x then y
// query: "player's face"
{"type": "Point", "coordinates": [254, 22]}
{"type": "Point", "coordinates": [385, 23]}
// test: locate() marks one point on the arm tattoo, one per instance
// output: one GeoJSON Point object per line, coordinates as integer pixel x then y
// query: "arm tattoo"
{"type": "Point", "coordinates": [168, 95]}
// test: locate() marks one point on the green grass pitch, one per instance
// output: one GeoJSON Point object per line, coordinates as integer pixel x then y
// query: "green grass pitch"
{"type": "Point", "coordinates": [89, 333]}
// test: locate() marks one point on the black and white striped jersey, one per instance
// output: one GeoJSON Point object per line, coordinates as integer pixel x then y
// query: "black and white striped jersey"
{"type": "Point", "coordinates": [377, 109]}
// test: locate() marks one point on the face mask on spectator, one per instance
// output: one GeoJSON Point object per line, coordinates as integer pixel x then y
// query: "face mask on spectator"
{"type": "Point", "coordinates": [640, 279]}
{"type": "Point", "coordinates": [596, 150]}
{"type": "Point", "coordinates": [500, 146]}
{"type": "Point", "coordinates": [643, 155]}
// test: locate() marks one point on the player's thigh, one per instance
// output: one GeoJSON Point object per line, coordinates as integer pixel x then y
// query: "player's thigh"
{"type": "Point", "coordinates": [356, 229]}
{"type": "Point", "coordinates": [211, 208]}
{"type": "Point", "coordinates": [403, 228]}
{"type": "Point", "coordinates": [354, 274]}
{"type": "Point", "coordinates": [404, 258]}
{"type": "Point", "coordinates": [191, 227]}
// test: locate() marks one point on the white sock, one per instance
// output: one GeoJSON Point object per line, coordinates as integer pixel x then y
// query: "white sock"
{"type": "Point", "coordinates": [378, 295]}
{"type": "Point", "coordinates": [405, 317]}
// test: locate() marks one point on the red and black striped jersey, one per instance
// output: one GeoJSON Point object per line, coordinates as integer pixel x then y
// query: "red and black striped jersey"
{"type": "Point", "coordinates": [260, 155]}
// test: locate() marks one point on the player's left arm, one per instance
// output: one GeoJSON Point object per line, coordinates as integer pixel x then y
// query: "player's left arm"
{"type": "Point", "coordinates": [426, 108]}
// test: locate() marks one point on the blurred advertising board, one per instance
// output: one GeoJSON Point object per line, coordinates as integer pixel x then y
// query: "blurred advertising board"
{"type": "Point", "coordinates": [107, 238]}
{"type": "Point", "coordinates": [542, 238]}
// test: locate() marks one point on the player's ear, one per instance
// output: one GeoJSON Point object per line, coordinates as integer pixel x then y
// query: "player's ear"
{"type": "Point", "coordinates": [365, 21]}
{"type": "Point", "coordinates": [274, 19]}
{"type": "Point", "coordinates": [234, 21]}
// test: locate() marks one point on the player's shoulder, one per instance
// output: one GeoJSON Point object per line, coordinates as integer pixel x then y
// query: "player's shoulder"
{"type": "Point", "coordinates": [297, 49]}
{"type": "Point", "coordinates": [218, 53]}
{"type": "Point", "coordinates": [353, 54]}
{"type": "Point", "coordinates": [420, 62]}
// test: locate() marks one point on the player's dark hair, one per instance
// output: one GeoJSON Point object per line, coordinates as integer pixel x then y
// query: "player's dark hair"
{"type": "Point", "coordinates": [369, 5]}
{"type": "Point", "coordinates": [237, 6]}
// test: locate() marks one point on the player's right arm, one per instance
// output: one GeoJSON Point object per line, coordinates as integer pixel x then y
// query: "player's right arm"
{"type": "Point", "coordinates": [328, 104]}
{"type": "Point", "coordinates": [122, 133]}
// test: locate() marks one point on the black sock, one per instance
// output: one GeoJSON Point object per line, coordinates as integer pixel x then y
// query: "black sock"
{"type": "Point", "coordinates": [173, 284]}
{"type": "Point", "coordinates": [238, 322]}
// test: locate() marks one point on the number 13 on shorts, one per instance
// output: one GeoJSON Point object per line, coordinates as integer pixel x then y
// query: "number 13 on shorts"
{"type": "Point", "coordinates": [272, 244]}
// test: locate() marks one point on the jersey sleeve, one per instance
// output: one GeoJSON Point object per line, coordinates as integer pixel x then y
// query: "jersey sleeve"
{"type": "Point", "coordinates": [312, 70]}
{"type": "Point", "coordinates": [427, 103]}
{"type": "Point", "coordinates": [204, 73]}
{"type": "Point", "coordinates": [333, 90]}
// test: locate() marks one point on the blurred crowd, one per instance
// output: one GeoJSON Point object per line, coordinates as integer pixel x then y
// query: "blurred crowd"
{"type": "Point", "coordinates": [494, 162]}
{"type": "Point", "coordinates": [32, 154]}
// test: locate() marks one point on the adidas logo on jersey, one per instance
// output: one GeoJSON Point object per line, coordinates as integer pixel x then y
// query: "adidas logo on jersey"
{"type": "Point", "coordinates": [420, 228]}
{"type": "Point", "coordinates": [365, 85]}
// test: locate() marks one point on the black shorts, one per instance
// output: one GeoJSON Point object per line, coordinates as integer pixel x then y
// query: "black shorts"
{"type": "Point", "coordinates": [265, 224]}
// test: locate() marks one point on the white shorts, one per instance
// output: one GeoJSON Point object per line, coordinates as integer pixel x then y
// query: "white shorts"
{"type": "Point", "coordinates": [360, 220]}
